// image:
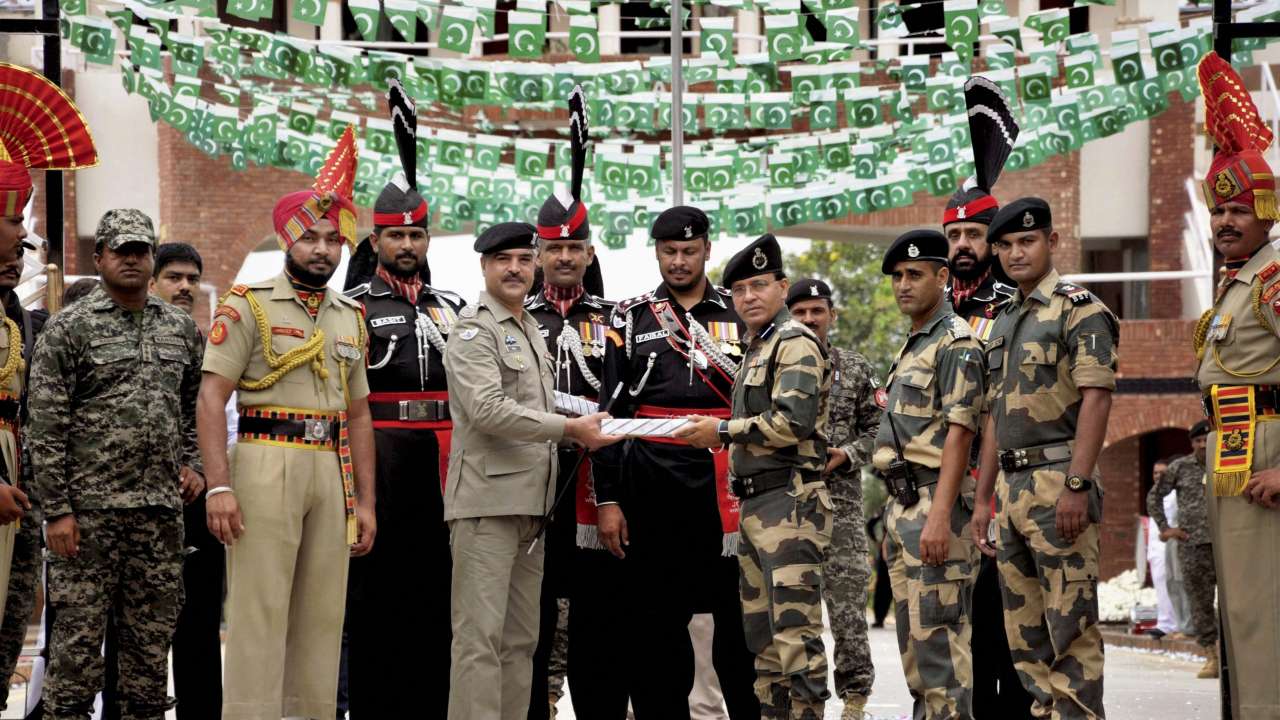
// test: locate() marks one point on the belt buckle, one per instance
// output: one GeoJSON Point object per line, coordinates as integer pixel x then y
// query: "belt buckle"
{"type": "Point", "coordinates": [415, 409]}
{"type": "Point", "coordinates": [316, 430]}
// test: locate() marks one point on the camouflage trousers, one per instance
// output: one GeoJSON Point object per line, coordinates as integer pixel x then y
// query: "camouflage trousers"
{"type": "Point", "coordinates": [932, 608]}
{"type": "Point", "coordinates": [1201, 580]}
{"type": "Point", "coordinates": [129, 566]}
{"type": "Point", "coordinates": [846, 571]}
{"type": "Point", "coordinates": [1050, 593]}
{"type": "Point", "coordinates": [23, 574]}
{"type": "Point", "coordinates": [783, 535]}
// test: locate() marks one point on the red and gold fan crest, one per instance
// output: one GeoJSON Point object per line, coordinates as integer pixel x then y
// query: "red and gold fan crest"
{"type": "Point", "coordinates": [330, 197]}
{"type": "Point", "coordinates": [39, 128]}
{"type": "Point", "coordinates": [1239, 171]}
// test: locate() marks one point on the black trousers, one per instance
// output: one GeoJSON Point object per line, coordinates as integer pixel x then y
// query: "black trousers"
{"type": "Point", "coordinates": [675, 568]}
{"type": "Point", "coordinates": [997, 692]}
{"type": "Point", "coordinates": [398, 622]}
{"type": "Point", "coordinates": [197, 639]}
{"type": "Point", "coordinates": [882, 600]}
{"type": "Point", "coordinates": [600, 678]}
{"type": "Point", "coordinates": [559, 567]}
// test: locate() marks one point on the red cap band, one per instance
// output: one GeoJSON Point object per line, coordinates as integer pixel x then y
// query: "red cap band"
{"type": "Point", "coordinates": [401, 219]}
{"type": "Point", "coordinates": [552, 232]}
{"type": "Point", "coordinates": [966, 212]}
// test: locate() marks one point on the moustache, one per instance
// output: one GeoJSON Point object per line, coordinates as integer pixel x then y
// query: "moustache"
{"type": "Point", "coordinates": [1228, 232]}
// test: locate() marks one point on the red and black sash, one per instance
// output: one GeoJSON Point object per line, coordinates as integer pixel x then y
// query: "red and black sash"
{"type": "Point", "coordinates": [667, 318]}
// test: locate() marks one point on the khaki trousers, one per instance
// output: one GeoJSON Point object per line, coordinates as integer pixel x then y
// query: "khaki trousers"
{"type": "Point", "coordinates": [495, 592]}
{"type": "Point", "coordinates": [286, 585]}
{"type": "Point", "coordinates": [1244, 541]}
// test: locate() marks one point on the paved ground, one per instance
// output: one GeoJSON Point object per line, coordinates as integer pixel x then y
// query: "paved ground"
{"type": "Point", "coordinates": [1140, 685]}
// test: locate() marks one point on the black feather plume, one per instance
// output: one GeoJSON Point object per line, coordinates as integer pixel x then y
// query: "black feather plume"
{"type": "Point", "coordinates": [577, 138]}
{"type": "Point", "coordinates": [404, 122]}
{"type": "Point", "coordinates": [992, 129]}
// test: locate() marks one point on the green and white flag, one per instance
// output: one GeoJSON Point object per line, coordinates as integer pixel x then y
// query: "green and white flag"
{"type": "Point", "coordinates": [961, 25]}
{"type": "Point", "coordinates": [746, 215]}
{"type": "Point", "coordinates": [784, 36]}
{"type": "Point", "coordinates": [1053, 25]}
{"type": "Point", "coordinates": [584, 38]}
{"type": "Point", "coordinates": [526, 33]}
{"type": "Point", "coordinates": [485, 12]}
{"type": "Point", "coordinates": [144, 48]}
{"type": "Point", "coordinates": [531, 158]}
{"type": "Point", "coordinates": [251, 9]}
{"type": "Point", "coordinates": [302, 118]}
{"type": "Point", "coordinates": [788, 208]}
{"type": "Point", "coordinates": [835, 150]}
{"type": "Point", "coordinates": [1000, 55]}
{"type": "Point", "coordinates": [457, 27]}
{"type": "Point", "coordinates": [379, 136]}
{"type": "Point", "coordinates": [403, 16]}
{"type": "Point", "coordinates": [1008, 30]}
{"type": "Point", "coordinates": [725, 111]}
{"type": "Point", "coordinates": [1079, 70]}
{"type": "Point", "coordinates": [367, 14]}
{"type": "Point", "coordinates": [842, 26]}
{"type": "Point", "coordinates": [1035, 83]}
{"type": "Point", "coordinates": [95, 37]}
{"type": "Point", "coordinates": [1126, 60]}
{"type": "Point", "coordinates": [771, 111]}
{"type": "Point", "coordinates": [428, 12]}
{"type": "Point", "coordinates": [715, 37]}
{"type": "Point", "coordinates": [823, 114]}
{"type": "Point", "coordinates": [782, 169]}
{"type": "Point", "coordinates": [863, 107]}
{"type": "Point", "coordinates": [915, 70]}
{"type": "Point", "coordinates": [644, 175]}
{"type": "Point", "coordinates": [310, 12]}
{"type": "Point", "coordinates": [452, 146]}
{"type": "Point", "coordinates": [610, 169]}
{"type": "Point", "coordinates": [889, 21]}
{"type": "Point", "coordinates": [223, 123]}
{"type": "Point", "coordinates": [942, 92]}
{"type": "Point", "coordinates": [1166, 50]}
{"type": "Point", "coordinates": [992, 9]}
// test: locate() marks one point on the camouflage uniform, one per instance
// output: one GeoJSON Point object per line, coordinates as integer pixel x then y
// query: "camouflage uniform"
{"type": "Point", "coordinates": [779, 448]}
{"type": "Point", "coordinates": [852, 427]}
{"type": "Point", "coordinates": [1044, 348]}
{"type": "Point", "coordinates": [936, 382]}
{"type": "Point", "coordinates": [1185, 475]}
{"type": "Point", "coordinates": [112, 405]}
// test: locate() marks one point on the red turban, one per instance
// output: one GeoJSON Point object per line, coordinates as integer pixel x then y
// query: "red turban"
{"type": "Point", "coordinates": [15, 188]}
{"type": "Point", "coordinates": [1238, 172]}
{"type": "Point", "coordinates": [329, 198]}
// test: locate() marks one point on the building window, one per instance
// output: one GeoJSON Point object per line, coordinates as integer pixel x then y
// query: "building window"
{"type": "Point", "coordinates": [1127, 299]}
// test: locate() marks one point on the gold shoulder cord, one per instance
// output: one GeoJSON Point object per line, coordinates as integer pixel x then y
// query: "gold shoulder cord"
{"type": "Point", "coordinates": [312, 351]}
{"type": "Point", "coordinates": [1202, 330]}
{"type": "Point", "coordinates": [13, 363]}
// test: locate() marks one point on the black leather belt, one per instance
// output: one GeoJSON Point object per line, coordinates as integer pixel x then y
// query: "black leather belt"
{"type": "Point", "coordinates": [410, 410]}
{"type": "Point", "coordinates": [747, 487]}
{"type": "Point", "coordinates": [9, 408]}
{"type": "Point", "coordinates": [1033, 457]}
{"type": "Point", "coordinates": [311, 430]}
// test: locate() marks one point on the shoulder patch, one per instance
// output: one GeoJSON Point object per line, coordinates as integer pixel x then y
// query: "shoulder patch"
{"type": "Point", "coordinates": [469, 333]}
{"type": "Point", "coordinates": [228, 312]}
{"type": "Point", "coordinates": [959, 329]}
{"type": "Point", "coordinates": [468, 312]}
{"type": "Point", "coordinates": [357, 291]}
{"type": "Point", "coordinates": [1076, 294]}
{"type": "Point", "coordinates": [239, 290]}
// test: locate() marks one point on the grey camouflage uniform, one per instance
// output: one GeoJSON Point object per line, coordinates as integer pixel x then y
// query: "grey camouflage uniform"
{"type": "Point", "coordinates": [936, 382]}
{"type": "Point", "coordinates": [1195, 554]}
{"type": "Point", "coordinates": [779, 429]}
{"type": "Point", "coordinates": [854, 417]}
{"type": "Point", "coordinates": [112, 406]}
{"type": "Point", "coordinates": [1043, 349]}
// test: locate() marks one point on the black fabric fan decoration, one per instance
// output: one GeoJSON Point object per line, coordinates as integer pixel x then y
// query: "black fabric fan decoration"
{"type": "Point", "coordinates": [577, 139]}
{"type": "Point", "coordinates": [992, 129]}
{"type": "Point", "coordinates": [404, 122]}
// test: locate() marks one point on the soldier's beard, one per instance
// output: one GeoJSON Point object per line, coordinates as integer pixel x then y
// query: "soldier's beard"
{"type": "Point", "coordinates": [977, 270]}
{"type": "Point", "coordinates": [392, 265]}
{"type": "Point", "coordinates": [305, 276]}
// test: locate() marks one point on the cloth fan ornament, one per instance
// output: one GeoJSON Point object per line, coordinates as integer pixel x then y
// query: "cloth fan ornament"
{"type": "Point", "coordinates": [329, 198]}
{"type": "Point", "coordinates": [1239, 172]}
{"type": "Point", "coordinates": [561, 217]}
{"type": "Point", "coordinates": [40, 127]}
{"type": "Point", "coordinates": [992, 132]}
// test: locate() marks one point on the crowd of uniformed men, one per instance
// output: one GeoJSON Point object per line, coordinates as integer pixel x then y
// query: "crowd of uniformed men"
{"type": "Point", "coordinates": [470, 439]}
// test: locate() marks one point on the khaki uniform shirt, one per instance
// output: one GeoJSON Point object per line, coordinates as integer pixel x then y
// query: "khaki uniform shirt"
{"type": "Point", "coordinates": [780, 402]}
{"type": "Point", "coordinates": [503, 459]}
{"type": "Point", "coordinates": [236, 342]}
{"type": "Point", "coordinates": [11, 388]}
{"type": "Point", "coordinates": [936, 382]}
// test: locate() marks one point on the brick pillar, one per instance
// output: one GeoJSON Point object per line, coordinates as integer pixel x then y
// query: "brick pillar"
{"type": "Point", "coordinates": [1172, 161]}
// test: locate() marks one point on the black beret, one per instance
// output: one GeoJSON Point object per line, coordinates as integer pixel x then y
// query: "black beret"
{"type": "Point", "coordinates": [808, 289]}
{"type": "Point", "coordinates": [1200, 429]}
{"type": "Point", "coordinates": [915, 245]}
{"type": "Point", "coordinates": [680, 223]}
{"type": "Point", "coordinates": [970, 205]}
{"type": "Point", "coordinates": [399, 205]}
{"type": "Point", "coordinates": [555, 221]}
{"type": "Point", "coordinates": [507, 236]}
{"type": "Point", "coordinates": [760, 257]}
{"type": "Point", "coordinates": [1021, 215]}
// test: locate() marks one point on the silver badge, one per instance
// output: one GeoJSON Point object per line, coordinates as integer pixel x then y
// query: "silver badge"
{"type": "Point", "coordinates": [688, 231]}
{"type": "Point", "coordinates": [1028, 219]}
{"type": "Point", "coordinates": [813, 290]}
{"type": "Point", "coordinates": [913, 251]}
{"type": "Point", "coordinates": [469, 333]}
{"type": "Point", "coordinates": [960, 213]}
{"type": "Point", "coordinates": [316, 430]}
{"type": "Point", "coordinates": [347, 351]}
{"type": "Point", "coordinates": [758, 260]}
{"type": "Point", "coordinates": [564, 231]}
{"type": "Point", "coordinates": [511, 342]}
{"type": "Point", "coordinates": [408, 218]}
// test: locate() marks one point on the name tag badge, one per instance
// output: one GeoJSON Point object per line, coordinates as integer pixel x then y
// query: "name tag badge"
{"type": "Point", "coordinates": [656, 335]}
{"type": "Point", "coordinates": [389, 320]}
{"type": "Point", "coordinates": [544, 332]}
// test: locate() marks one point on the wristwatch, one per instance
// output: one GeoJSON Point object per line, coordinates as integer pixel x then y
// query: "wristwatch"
{"type": "Point", "coordinates": [722, 429]}
{"type": "Point", "coordinates": [1077, 483]}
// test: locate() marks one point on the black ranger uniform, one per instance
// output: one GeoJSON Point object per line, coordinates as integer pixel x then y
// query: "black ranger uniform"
{"type": "Point", "coordinates": [398, 603]}
{"type": "Point", "coordinates": [664, 361]}
{"type": "Point", "coordinates": [997, 691]}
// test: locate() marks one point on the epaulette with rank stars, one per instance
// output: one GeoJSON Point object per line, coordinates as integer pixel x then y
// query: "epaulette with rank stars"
{"type": "Point", "coordinates": [1076, 294]}
{"type": "Point", "coordinates": [624, 306]}
{"type": "Point", "coordinates": [959, 329]}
